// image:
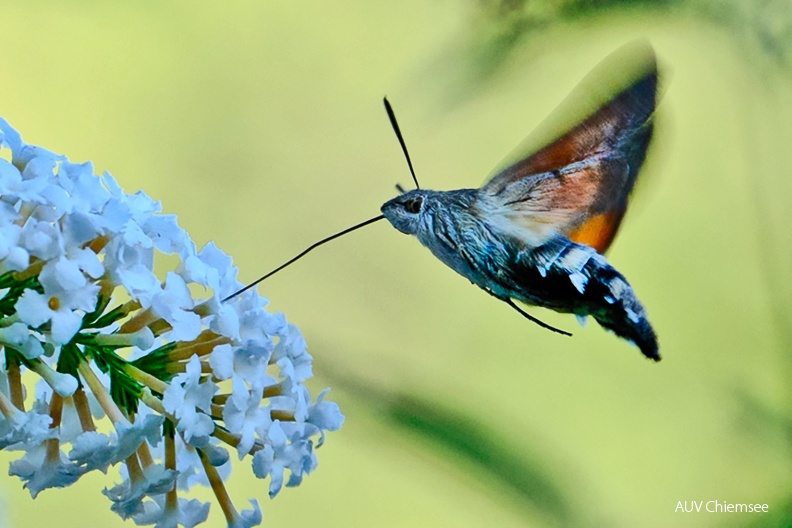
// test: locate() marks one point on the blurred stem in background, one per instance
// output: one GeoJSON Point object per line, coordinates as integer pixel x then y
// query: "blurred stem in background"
{"type": "Point", "coordinates": [519, 472]}
{"type": "Point", "coordinates": [764, 25]}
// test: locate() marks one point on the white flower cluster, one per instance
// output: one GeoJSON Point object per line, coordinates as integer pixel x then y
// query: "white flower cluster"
{"type": "Point", "coordinates": [179, 378]}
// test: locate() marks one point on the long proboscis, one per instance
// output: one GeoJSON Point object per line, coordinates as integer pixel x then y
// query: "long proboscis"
{"type": "Point", "coordinates": [305, 252]}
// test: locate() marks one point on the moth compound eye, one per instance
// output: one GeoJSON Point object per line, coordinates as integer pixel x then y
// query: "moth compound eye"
{"type": "Point", "coordinates": [413, 205]}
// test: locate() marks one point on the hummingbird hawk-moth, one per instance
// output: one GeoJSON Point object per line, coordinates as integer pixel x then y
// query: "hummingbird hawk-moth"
{"type": "Point", "coordinates": [537, 230]}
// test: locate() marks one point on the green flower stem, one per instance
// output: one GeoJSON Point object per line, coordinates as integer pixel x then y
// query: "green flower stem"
{"type": "Point", "coordinates": [171, 498]}
{"type": "Point", "coordinates": [273, 390]}
{"type": "Point", "coordinates": [141, 320]}
{"type": "Point", "coordinates": [15, 383]}
{"type": "Point", "coordinates": [217, 411]}
{"type": "Point", "coordinates": [6, 407]}
{"type": "Point", "coordinates": [180, 367]}
{"type": "Point", "coordinates": [32, 271]}
{"type": "Point", "coordinates": [103, 397]}
{"type": "Point", "coordinates": [219, 489]}
{"type": "Point", "coordinates": [107, 287]}
{"type": "Point", "coordinates": [83, 410]}
{"type": "Point", "coordinates": [283, 416]}
{"type": "Point", "coordinates": [47, 374]}
{"type": "Point", "coordinates": [8, 320]}
{"type": "Point", "coordinates": [97, 244]}
{"type": "Point", "coordinates": [155, 404]}
{"type": "Point", "coordinates": [114, 315]}
{"type": "Point", "coordinates": [27, 209]}
{"type": "Point", "coordinates": [220, 399]}
{"type": "Point", "coordinates": [202, 346]}
{"type": "Point", "coordinates": [150, 381]}
{"type": "Point", "coordinates": [269, 392]}
{"type": "Point", "coordinates": [56, 412]}
{"type": "Point", "coordinates": [135, 471]}
{"type": "Point", "coordinates": [203, 309]}
{"type": "Point", "coordinates": [144, 454]}
{"type": "Point", "coordinates": [231, 439]}
{"type": "Point", "coordinates": [159, 327]}
{"type": "Point", "coordinates": [116, 340]}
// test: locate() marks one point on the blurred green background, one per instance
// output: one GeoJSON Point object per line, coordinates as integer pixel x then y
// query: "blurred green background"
{"type": "Point", "coordinates": [261, 125]}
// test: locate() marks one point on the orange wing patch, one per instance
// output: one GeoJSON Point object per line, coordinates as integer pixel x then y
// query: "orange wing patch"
{"type": "Point", "coordinates": [598, 231]}
{"type": "Point", "coordinates": [579, 184]}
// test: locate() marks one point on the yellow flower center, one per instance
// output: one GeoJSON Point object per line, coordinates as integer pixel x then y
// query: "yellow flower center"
{"type": "Point", "coordinates": [54, 303]}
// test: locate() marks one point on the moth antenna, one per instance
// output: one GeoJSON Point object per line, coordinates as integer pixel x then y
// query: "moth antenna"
{"type": "Point", "coordinates": [529, 316]}
{"type": "Point", "coordinates": [400, 188]}
{"type": "Point", "coordinates": [396, 129]}
{"type": "Point", "coordinates": [305, 252]}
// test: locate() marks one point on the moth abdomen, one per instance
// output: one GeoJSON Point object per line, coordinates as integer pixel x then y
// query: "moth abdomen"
{"type": "Point", "coordinates": [622, 312]}
{"type": "Point", "coordinates": [569, 277]}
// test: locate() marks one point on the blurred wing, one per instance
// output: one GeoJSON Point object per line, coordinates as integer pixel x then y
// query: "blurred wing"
{"type": "Point", "coordinates": [578, 184]}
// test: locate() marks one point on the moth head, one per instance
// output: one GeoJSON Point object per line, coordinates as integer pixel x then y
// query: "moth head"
{"type": "Point", "coordinates": [404, 211]}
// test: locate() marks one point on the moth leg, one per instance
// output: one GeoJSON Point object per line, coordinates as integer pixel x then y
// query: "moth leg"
{"type": "Point", "coordinates": [529, 316]}
{"type": "Point", "coordinates": [535, 320]}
